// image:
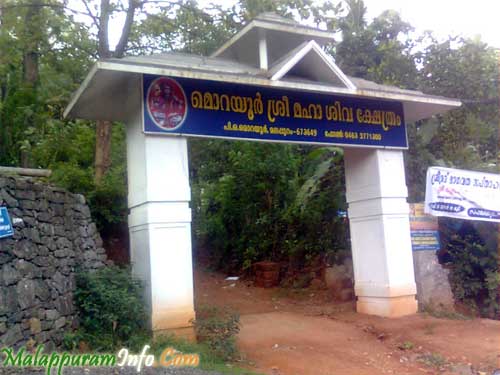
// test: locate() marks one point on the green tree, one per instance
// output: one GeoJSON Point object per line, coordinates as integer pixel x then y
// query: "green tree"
{"type": "Point", "coordinates": [37, 72]}
{"type": "Point", "coordinates": [465, 137]}
{"type": "Point", "coordinates": [286, 197]}
{"type": "Point", "coordinates": [31, 110]}
{"type": "Point", "coordinates": [254, 201]}
{"type": "Point", "coordinates": [244, 207]}
{"type": "Point", "coordinates": [380, 51]}
{"type": "Point", "coordinates": [100, 13]}
{"type": "Point", "coordinates": [463, 69]}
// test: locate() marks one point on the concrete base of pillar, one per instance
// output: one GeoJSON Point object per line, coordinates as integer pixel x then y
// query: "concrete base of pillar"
{"type": "Point", "coordinates": [167, 318]}
{"type": "Point", "coordinates": [388, 307]}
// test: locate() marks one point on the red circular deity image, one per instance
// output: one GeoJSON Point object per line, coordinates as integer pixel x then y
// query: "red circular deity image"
{"type": "Point", "coordinates": [166, 102]}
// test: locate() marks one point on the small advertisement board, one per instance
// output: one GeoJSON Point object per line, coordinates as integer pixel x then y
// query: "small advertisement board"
{"type": "Point", "coordinates": [6, 229]}
{"type": "Point", "coordinates": [424, 229]}
{"type": "Point", "coordinates": [462, 194]}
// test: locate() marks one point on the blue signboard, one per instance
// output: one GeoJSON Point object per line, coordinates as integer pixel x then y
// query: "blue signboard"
{"type": "Point", "coordinates": [424, 229]}
{"type": "Point", "coordinates": [425, 240]}
{"type": "Point", "coordinates": [190, 107]}
{"type": "Point", "coordinates": [5, 223]}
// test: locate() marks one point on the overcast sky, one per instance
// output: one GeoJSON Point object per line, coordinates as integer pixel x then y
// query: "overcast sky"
{"type": "Point", "coordinates": [443, 17]}
{"type": "Point", "coordinates": [447, 17]}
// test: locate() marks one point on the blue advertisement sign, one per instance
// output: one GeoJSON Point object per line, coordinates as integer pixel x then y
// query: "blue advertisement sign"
{"type": "Point", "coordinates": [5, 223]}
{"type": "Point", "coordinates": [424, 229]}
{"type": "Point", "coordinates": [190, 107]}
{"type": "Point", "coordinates": [425, 240]}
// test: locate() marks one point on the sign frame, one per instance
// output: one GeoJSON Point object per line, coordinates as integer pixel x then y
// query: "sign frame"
{"type": "Point", "coordinates": [147, 119]}
{"type": "Point", "coordinates": [425, 228]}
{"type": "Point", "coordinates": [462, 194]}
{"type": "Point", "coordinates": [4, 216]}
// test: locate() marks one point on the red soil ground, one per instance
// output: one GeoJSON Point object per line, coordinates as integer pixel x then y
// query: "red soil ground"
{"type": "Point", "coordinates": [302, 332]}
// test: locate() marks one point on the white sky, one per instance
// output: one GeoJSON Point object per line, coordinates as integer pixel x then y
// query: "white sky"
{"type": "Point", "coordinates": [447, 17]}
{"type": "Point", "coordinates": [443, 17]}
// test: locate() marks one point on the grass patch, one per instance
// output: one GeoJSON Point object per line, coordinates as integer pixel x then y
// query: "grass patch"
{"type": "Point", "coordinates": [407, 345]}
{"type": "Point", "coordinates": [208, 359]}
{"type": "Point", "coordinates": [112, 316]}
{"type": "Point", "coordinates": [432, 360]}
{"type": "Point", "coordinates": [218, 328]}
{"type": "Point", "coordinates": [297, 294]}
{"type": "Point", "coordinates": [443, 313]}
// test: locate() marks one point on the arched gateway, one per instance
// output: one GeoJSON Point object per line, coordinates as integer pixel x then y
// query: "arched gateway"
{"type": "Point", "coordinates": [271, 82]}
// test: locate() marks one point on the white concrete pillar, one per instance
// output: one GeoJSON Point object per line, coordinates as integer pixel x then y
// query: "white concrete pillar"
{"type": "Point", "coordinates": [380, 232]}
{"type": "Point", "coordinates": [160, 222]}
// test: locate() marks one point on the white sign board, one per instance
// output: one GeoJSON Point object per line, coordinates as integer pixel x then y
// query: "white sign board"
{"type": "Point", "coordinates": [462, 194]}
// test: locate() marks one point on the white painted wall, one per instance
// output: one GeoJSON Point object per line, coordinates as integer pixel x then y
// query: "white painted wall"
{"type": "Point", "coordinates": [380, 231]}
{"type": "Point", "coordinates": [160, 219]}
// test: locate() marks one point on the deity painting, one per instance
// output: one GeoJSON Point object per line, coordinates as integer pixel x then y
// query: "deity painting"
{"type": "Point", "coordinates": [166, 103]}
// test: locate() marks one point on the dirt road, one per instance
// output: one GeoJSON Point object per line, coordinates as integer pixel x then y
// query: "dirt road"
{"type": "Point", "coordinates": [302, 332]}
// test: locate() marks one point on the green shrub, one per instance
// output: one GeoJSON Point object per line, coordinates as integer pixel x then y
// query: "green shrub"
{"type": "Point", "coordinates": [442, 312]}
{"type": "Point", "coordinates": [209, 361]}
{"type": "Point", "coordinates": [435, 360]}
{"type": "Point", "coordinates": [474, 272]}
{"type": "Point", "coordinates": [407, 345]}
{"type": "Point", "coordinates": [254, 202]}
{"type": "Point", "coordinates": [110, 309]}
{"type": "Point", "coordinates": [241, 209]}
{"type": "Point", "coordinates": [218, 328]}
{"type": "Point", "coordinates": [67, 148]}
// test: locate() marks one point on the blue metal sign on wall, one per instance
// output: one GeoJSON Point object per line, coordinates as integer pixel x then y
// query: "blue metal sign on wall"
{"type": "Point", "coordinates": [189, 107]}
{"type": "Point", "coordinates": [5, 223]}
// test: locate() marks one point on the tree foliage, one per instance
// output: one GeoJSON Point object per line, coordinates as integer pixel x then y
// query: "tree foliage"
{"type": "Point", "coordinates": [473, 263]}
{"type": "Point", "coordinates": [268, 201]}
{"type": "Point", "coordinates": [468, 70]}
{"type": "Point", "coordinates": [110, 308]}
{"type": "Point", "coordinates": [250, 201]}
{"type": "Point", "coordinates": [26, 105]}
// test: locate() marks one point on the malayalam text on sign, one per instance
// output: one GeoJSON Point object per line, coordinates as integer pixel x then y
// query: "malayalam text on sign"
{"type": "Point", "coordinates": [424, 229]}
{"type": "Point", "coordinates": [189, 107]}
{"type": "Point", "coordinates": [462, 194]}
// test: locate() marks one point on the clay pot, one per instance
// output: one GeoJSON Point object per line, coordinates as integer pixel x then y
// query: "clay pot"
{"type": "Point", "coordinates": [267, 274]}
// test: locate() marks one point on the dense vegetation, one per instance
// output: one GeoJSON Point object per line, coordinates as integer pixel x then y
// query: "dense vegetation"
{"type": "Point", "coordinates": [111, 313]}
{"type": "Point", "coordinates": [474, 278]}
{"type": "Point", "coordinates": [251, 201]}
{"type": "Point", "coordinates": [110, 310]}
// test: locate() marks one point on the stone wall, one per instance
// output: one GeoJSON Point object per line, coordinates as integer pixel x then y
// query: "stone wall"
{"type": "Point", "coordinates": [53, 236]}
{"type": "Point", "coordinates": [433, 285]}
